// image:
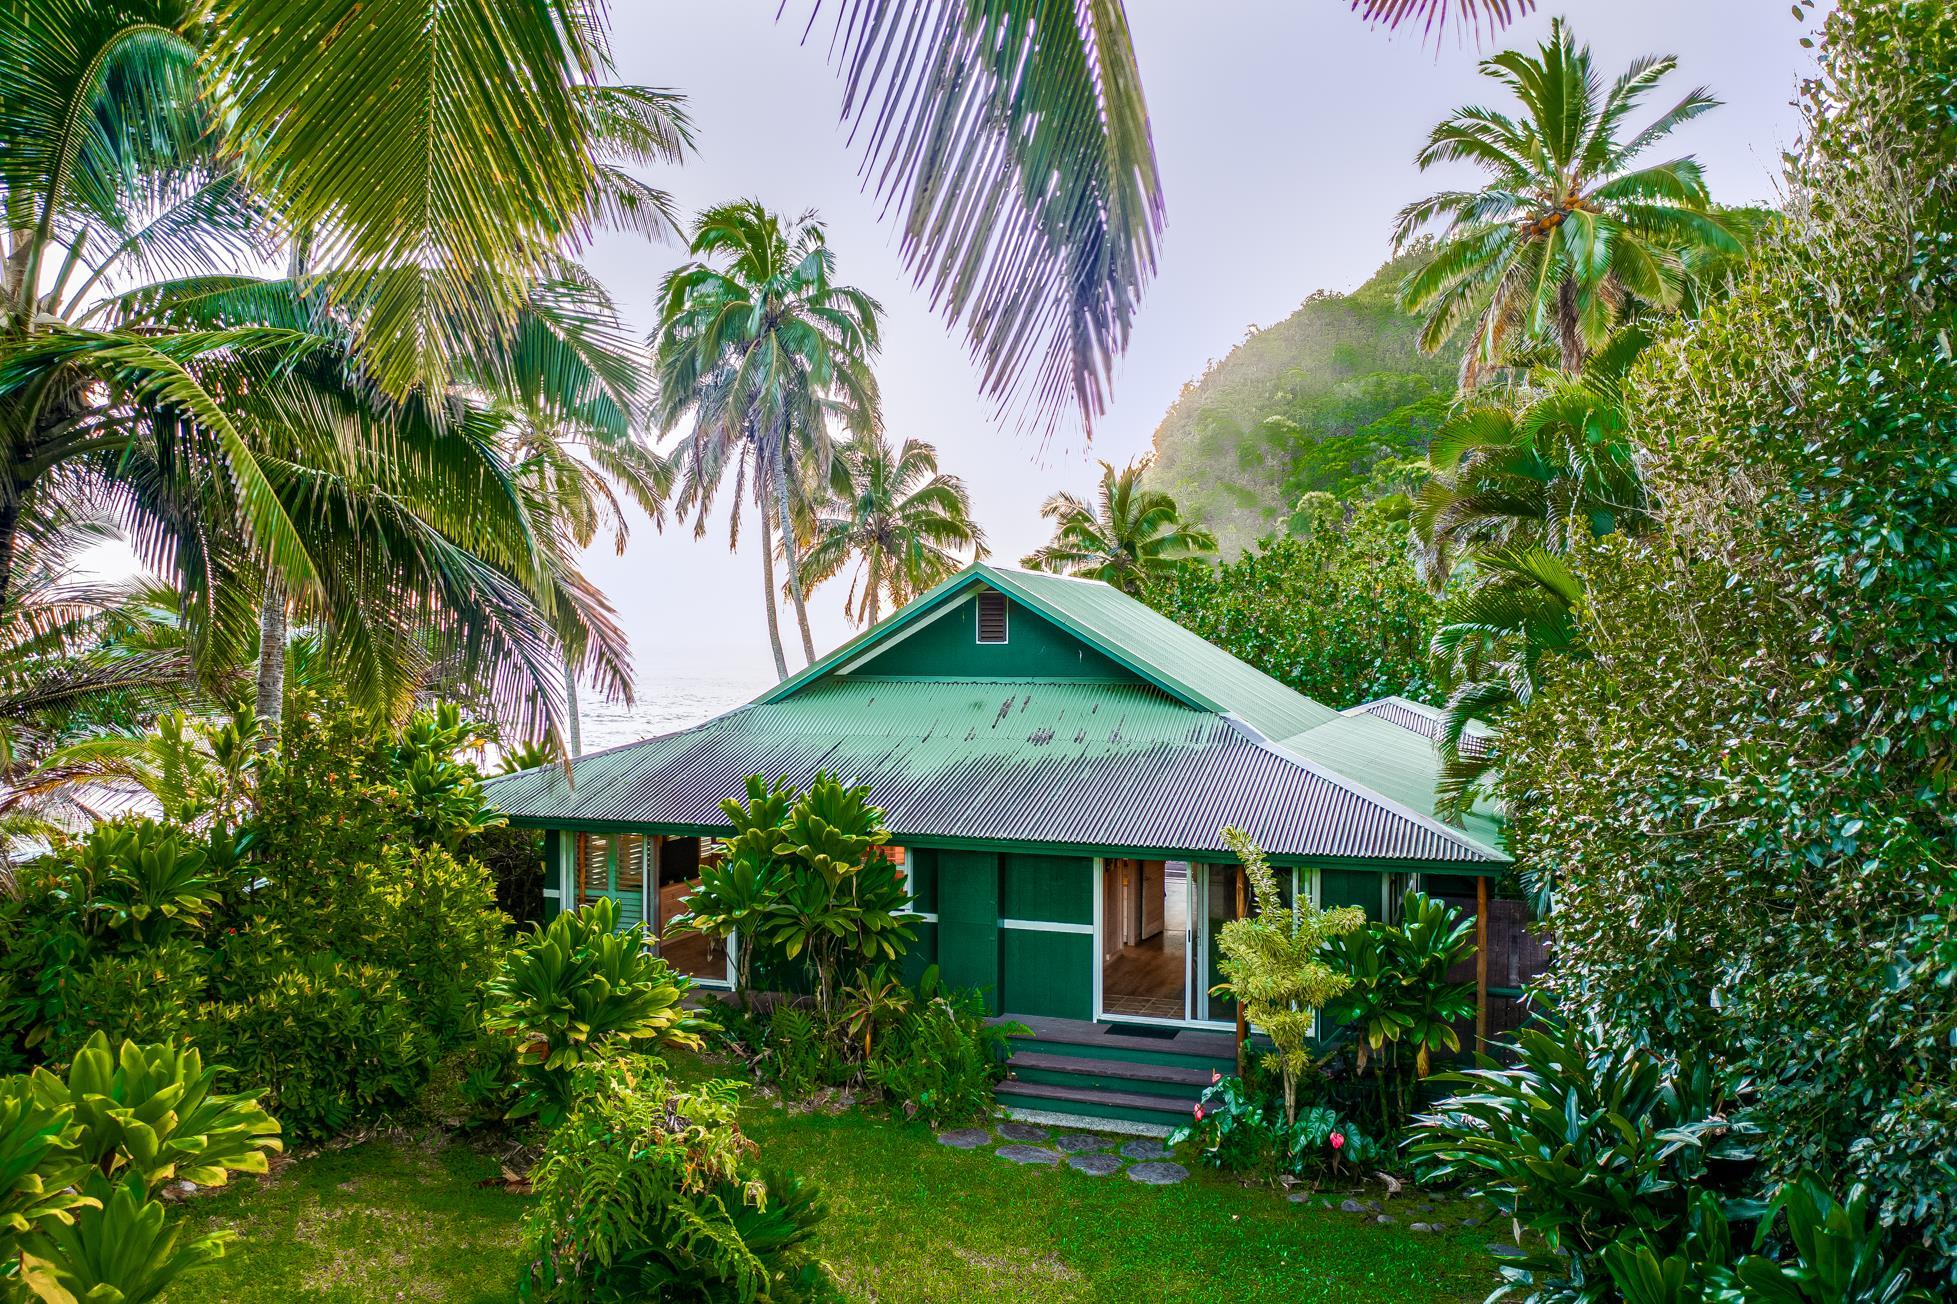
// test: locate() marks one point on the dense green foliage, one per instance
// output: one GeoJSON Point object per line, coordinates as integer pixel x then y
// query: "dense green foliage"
{"type": "Point", "coordinates": [1311, 404]}
{"type": "Point", "coordinates": [578, 992]}
{"type": "Point", "coordinates": [1337, 613]}
{"type": "Point", "coordinates": [650, 1191]}
{"type": "Point", "coordinates": [1243, 1130]}
{"type": "Point", "coordinates": [1740, 801]}
{"type": "Point", "coordinates": [83, 1156]}
{"type": "Point", "coordinates": [326, 948]}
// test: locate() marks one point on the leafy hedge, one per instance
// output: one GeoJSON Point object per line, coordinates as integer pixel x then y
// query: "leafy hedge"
{"type": "Point", "coordinates": [1741, 803]}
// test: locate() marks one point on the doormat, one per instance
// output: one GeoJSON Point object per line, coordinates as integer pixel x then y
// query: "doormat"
{"type": "Point", "coordinates": [1143, 1030]}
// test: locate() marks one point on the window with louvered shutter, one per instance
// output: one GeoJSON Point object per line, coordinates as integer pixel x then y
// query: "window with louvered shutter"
{"type": "Point", "coordinates": [991, 617]}
{"type": "Point", "coordinates": [593, 871]}
{"type": "Point", "coordinates": [631, 862]}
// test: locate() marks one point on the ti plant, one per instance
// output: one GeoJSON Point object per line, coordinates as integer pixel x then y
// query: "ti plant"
{"type": "Point", "coordinates": [839, 900]}
{"type": "Point", "coordinates": [579, 992]}
{"type": "Point", "coordinates": [82, 1158]}
{"type": "Point", "coordinates": [732, 896]}
{"type": "Point", "coordinates": [1273, 967]}
{"type": "Point", "coordinates": [1399, 991]}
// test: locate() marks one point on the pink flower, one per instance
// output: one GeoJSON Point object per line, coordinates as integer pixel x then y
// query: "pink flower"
{"type": "Point", "coordinates": [1215, 1076]}
{"type": "Point", "coordinates": [1338, 1140]}
{"type": "Point", "coordinates": [1199, 1113]}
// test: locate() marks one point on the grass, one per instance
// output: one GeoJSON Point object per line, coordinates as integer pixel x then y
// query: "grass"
{"type": "Point", "coordinates": [390, 1219]}
{"type": "Point", "coordinates": [910, 1220]}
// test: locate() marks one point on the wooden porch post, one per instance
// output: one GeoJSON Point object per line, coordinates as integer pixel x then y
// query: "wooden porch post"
{"type": "Point", "coordinates": [1243, 1024]}
{"type": "Point", "coordinates": [1481, 964]}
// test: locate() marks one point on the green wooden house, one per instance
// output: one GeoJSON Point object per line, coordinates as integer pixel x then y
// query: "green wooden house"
{"type": "Point", "coordinates": [1055, 762]}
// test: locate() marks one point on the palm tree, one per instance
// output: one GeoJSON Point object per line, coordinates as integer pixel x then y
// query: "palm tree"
{"type": "Point", "coordinates": [221, 412]}
{"type": "Point", "coordinates": [1127, 538]}
{"type": "Point", "coordinates": [1571, 229]}
{"type": "Point", "coordinates": [761, 346]}
{"type": "Point", "coordinates": [1493, 639]}
{"type": "Point", "coordinates": [905, 522]}
{"type": "Point", "coordinates": [1534, 464]}
{"type": "Point", "coordinates": [1013, 141]}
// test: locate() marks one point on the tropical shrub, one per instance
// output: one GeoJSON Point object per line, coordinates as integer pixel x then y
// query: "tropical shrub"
{"type": "Point", "coordinates": [150, 991]}
{"type": "Point", "coordinates": [732, 898]}
{"type": "Point", "coordinates": [1398, 996]}
{"type": "Point", "coordinates": [1272, 966]}
{"type": "Point", "coordinates": [578, 992]}
{"type": "Point", "coordinates": [1242, 1130]}
{"type": "Point", "coordinates": [649, 1191]}
{"type": "Point", "coordinates": [1740, 802]}
{"type": "Point", "coordinates": [835, 899]}
{"type": "Point", "coordinates": [1584, 1142]}
{"type": "Point", "coordinates": [83, 1155]}
{"type": "Point", "coordinates": [938, 1057]}
{"type": "Point", "coordinates": [334, 1044]}
{"type": "Point", "coordinates": [1335, 611]}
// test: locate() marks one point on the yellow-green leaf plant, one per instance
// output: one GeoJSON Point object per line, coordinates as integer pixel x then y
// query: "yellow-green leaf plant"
{"type": "Point", "coordinates": [1273, 969]}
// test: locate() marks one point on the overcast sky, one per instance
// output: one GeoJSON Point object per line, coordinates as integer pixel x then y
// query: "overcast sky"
{"type": "Point", "coordinates": [1285, 131]}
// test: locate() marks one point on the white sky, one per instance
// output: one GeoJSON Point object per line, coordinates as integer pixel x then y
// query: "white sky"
{"type": "Point", "coordinates": [1285, 131]}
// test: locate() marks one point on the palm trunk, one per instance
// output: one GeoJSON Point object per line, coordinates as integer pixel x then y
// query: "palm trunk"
{"type": "Point", "coordinates": [271, 664]}
{"type": "Point", "coordinates": [790, 552]}
{"type": "Point", "coordinates": [876, 580]}
{"type": "Point", "coordinates": [768, 594]}
{"type": "Point", "coordinates": [1569, 328]}
{"type": "Point", "coordinates": [574, 733]}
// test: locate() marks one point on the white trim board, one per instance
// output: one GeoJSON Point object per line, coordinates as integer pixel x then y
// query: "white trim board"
{"type": "Point", "coordinates": [1046, 926]}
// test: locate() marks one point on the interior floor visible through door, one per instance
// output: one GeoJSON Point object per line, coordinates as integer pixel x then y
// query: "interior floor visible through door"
{"type": "Point", "coordinates": [1145, 908]}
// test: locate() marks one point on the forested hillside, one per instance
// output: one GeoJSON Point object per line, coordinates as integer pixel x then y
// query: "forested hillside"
{"type": "Point", "coordinates": [1311, 403]}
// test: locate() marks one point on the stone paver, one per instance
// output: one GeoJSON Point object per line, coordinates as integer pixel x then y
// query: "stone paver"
{"type": "Point", "coordinates": [1021, 1132]}
{"type": "Point", "coordinates": [1075, 1143]}
{"type": "Point", "coordinates": [1157, 1173]}
{"type": "Point", "coordinates": [1145, 1149]}
{"type": "Point", "coordinates": [1028, 1154]}
{"type": "Point", "coordinates": [965, 1138]}
{"type": "Point", "coordinates": [1352, 1206]}
{"type": "Point", "coordinates": [1095, 1165]}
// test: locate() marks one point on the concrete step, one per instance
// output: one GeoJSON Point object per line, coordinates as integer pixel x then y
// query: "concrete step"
{"type": "Point", "coordinates": [1093, 1102]}
{"type": "Point", "coordinates": [1117, 1075]}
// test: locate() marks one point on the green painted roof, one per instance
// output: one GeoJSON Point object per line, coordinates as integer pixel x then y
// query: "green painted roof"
{"type": "Point", "coordinates": [1160, 765]}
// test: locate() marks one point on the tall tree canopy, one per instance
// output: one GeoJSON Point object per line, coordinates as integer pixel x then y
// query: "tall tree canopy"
{"type": "Point", "coordinates": [1572, 226]}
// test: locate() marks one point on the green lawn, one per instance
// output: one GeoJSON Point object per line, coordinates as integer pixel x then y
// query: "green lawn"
{"type": "Point", "coordinates": [910, 1220]}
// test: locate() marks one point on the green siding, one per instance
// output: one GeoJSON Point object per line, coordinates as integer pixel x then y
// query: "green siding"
{"type": "Point", "coordinates": [1048, 973]}
{"type": "Point", "coordinates": [1035, 648]}
{"type": "Point", "coordinates": [923, 953]}
{"type": "Point", "coordinates": [1350, 887]}
{"type": "Point", "coordinates": [1057, 889]}
{"type": "Point", "coordinates": [554, 872]}
{"type": "Point", "coordinates": [968, 921]}
{"type": "Point", "coordinates": [921, 863]}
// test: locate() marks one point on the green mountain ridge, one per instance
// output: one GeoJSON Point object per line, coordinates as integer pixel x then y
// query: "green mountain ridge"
{"type": "Point", "coordinates": [1312, 403]}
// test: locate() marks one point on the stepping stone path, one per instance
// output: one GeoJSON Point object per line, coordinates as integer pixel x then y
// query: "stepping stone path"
{"type": "Point", "coordinates": [1145, 1161]}
{"type": "Point", "coordinates": [965, 1138]}
{"type": "Point", "coordinates": [1075, 1143]}
{"type": "Point", "coordinates": [1157, 1173]}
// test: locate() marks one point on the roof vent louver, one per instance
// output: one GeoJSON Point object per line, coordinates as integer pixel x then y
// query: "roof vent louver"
{"type": "Point", "coordinates": [991, 617]}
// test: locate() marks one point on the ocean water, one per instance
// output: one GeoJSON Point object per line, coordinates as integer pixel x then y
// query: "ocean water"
{"type": "Point", "coordinates": [665, 703]}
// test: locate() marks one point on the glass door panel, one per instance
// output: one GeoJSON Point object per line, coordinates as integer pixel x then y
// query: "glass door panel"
{"type": "Point", "coordinates": [679, 862]}
{"type": "Point", "coordinates": [1145, 939]}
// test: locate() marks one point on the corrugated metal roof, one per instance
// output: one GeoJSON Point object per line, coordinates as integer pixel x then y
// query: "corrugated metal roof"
{"type": "Point", "coordinates": [1069, 763]}
{"type": "Point", "coordinates": [1398, 763]}
{"type": "Point", "coordinates": [1424, 720]}
{"type": "Point", "coordinates": [1136, 631]}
